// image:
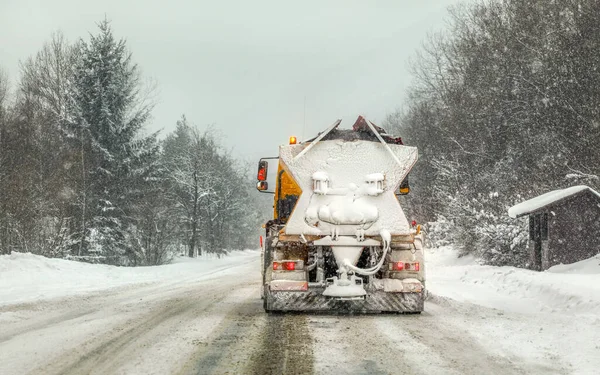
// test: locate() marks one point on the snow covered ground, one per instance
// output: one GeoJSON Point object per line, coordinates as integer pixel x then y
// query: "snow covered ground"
{"type": "Point", "coordinates": [195, 316]}
{"type": "Point", "coordinates": [571, 289]}
{"type": "Point", "coordinates": [25, 277]}
{"type": "Point", "coordinates": [544, 317]}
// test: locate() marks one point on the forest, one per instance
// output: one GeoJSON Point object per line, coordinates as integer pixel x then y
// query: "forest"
{"type": "Point", "coordinates": [82, 178]}
{"type": "Point", "coordinates": [504, 107]}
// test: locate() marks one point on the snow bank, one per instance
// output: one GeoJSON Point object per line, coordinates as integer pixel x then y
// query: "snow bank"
{"type": "Point", "coordinates": [573, 288]}
{"type": "Point", "coordinates": [25, 277]}
{"type": "Point", "coordinates": [588, 266]}
{"type": "Point", "coordinates": [546, 320]}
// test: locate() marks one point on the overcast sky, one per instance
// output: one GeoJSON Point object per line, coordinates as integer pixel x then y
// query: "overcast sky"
{"type": "Point", "coordinates": [248, 67]}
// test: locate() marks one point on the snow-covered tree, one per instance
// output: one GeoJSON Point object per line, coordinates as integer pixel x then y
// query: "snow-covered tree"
{"type": "Point", "coordinates": [208, 191]}
{"type": "Point", "coordinates": [503, 108]}
{"type": "Point", "coordinates": [41, 107]}
{"type": "Point", "coordinates": [4, 166]}
{"type": "Point", "coordinates": [106, 128]}
{"type": "Point", "coordinates": [80, 178]}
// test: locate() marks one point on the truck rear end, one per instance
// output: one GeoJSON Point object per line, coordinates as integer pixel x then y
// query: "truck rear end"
{"type": "Point", "coordinates": [339, 240]}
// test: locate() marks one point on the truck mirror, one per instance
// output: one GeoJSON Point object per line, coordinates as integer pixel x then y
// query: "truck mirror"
{"type": "Point", "coordinates": [263, 167]}
{"type": "Point", "coordinates": [264, 180]}
{"type": "Point", "coordinates": [262, 186]}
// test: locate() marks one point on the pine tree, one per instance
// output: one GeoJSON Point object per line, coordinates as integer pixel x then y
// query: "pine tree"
{"type": "Point", "coordinates": [106, 131]}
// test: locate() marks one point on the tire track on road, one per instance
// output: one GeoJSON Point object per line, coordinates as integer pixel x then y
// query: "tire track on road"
{"type": "Point", "coordinates": [45, 323]}
{"type": "Point", "coordinates": [249, 341]}
{"type": "Point", "coordinates": [225, 349]}
{"type": "Point", "coordinates": [440, 346]}
{"type": "Point", "coordinates": [406, 344]}
{"type": "Point", "coordinates": [352, 344]}
{"type": "Point", "coordinates": [111, 350]}
{"type": "Point", "coordinates": [451, 318]}
{"type": "Point", "coordinates": [286, 347]}
{"type": "Point", "coordinates": [47, 313]}
{"type": "Point", "coordinates": [106, 357]}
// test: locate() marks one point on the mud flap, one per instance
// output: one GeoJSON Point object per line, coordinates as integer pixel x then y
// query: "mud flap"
{"type": "Point", "coordinates": [314, 301]}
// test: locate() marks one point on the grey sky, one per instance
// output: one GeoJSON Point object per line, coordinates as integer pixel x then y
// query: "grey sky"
{"type": "Point", "coordinates": [246, 66]}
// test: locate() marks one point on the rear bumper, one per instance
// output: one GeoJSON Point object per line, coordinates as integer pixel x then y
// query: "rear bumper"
{"type": "Point", "coordinates": [314, 301]}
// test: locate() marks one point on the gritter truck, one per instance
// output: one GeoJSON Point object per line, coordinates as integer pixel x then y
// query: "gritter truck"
{"type": "Point", "coordinates": [339, 240]}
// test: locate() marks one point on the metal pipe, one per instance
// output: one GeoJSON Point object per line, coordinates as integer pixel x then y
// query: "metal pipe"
{"type": "Point", "coordinates": [372, 270]}
{"type": "Point", "coordinates": [320, 264]}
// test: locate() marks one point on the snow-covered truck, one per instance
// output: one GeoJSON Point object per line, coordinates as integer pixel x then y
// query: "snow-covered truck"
{"type": "Point", "coordinates": [339, 240]}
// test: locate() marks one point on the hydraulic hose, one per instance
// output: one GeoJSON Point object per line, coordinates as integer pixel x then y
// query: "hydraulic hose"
{"type": "Point", "coordinates": [369, 271]}
{"type": "Point", "coordinates": [386, 240]}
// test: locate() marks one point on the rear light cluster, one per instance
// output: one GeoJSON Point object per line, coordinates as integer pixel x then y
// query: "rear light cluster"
{"type": "Point", "coordinates": [288, 265]}
{"type": "Point", "coordinates": [405, 266]}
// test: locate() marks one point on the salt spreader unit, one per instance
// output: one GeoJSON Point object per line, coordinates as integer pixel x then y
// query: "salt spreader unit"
{"type": "Point", "coordinates": [339, 240]}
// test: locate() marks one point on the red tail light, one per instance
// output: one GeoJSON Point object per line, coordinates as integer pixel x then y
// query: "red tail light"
{"type": "Point", "coordinates": [288, 265]}
{"type": "Point", "coordinates": [414, 223]}
{"type": "Point", "coordinates": [405, 266]}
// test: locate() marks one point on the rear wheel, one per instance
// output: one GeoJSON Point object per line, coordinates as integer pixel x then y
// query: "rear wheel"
{"type": "Point", "coordinates": [267, 262]}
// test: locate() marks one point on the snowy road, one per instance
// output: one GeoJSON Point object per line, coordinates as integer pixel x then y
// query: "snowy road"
{"type": "Point", "coordinates": [215, 324]}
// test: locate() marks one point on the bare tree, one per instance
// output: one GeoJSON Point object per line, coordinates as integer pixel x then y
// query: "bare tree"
{"type": "Point", "coordinates": [4, 227]}
{"type": "Point", "coordinates": [187, 170]}
{"type": "Point", "coordinates": [503, 105]}
{"type": "Point", "coordinates": [39, 110]}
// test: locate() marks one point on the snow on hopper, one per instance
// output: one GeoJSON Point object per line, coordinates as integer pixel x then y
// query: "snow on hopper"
{"type": "Point", "coordinates": [348, 181]}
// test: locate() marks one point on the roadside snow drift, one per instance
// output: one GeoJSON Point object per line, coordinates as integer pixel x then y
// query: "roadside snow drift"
{"type": "Point", "coordinates": [547, 320]}
{"type": "Point", "coordinates": [25, 277]}
{"type": "Point", "coordinates": [573, 287]}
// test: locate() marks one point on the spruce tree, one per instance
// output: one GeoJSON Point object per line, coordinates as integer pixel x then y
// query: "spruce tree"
{"type": "Point", "coordinates": [113, 155]}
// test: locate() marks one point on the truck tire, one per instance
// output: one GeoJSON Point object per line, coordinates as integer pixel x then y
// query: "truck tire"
{"type": "Point", "coordinates": [267, 262]}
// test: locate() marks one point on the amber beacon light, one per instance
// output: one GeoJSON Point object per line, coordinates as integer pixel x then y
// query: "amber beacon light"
{"type": "Point", "coordinates": [293, 140]}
